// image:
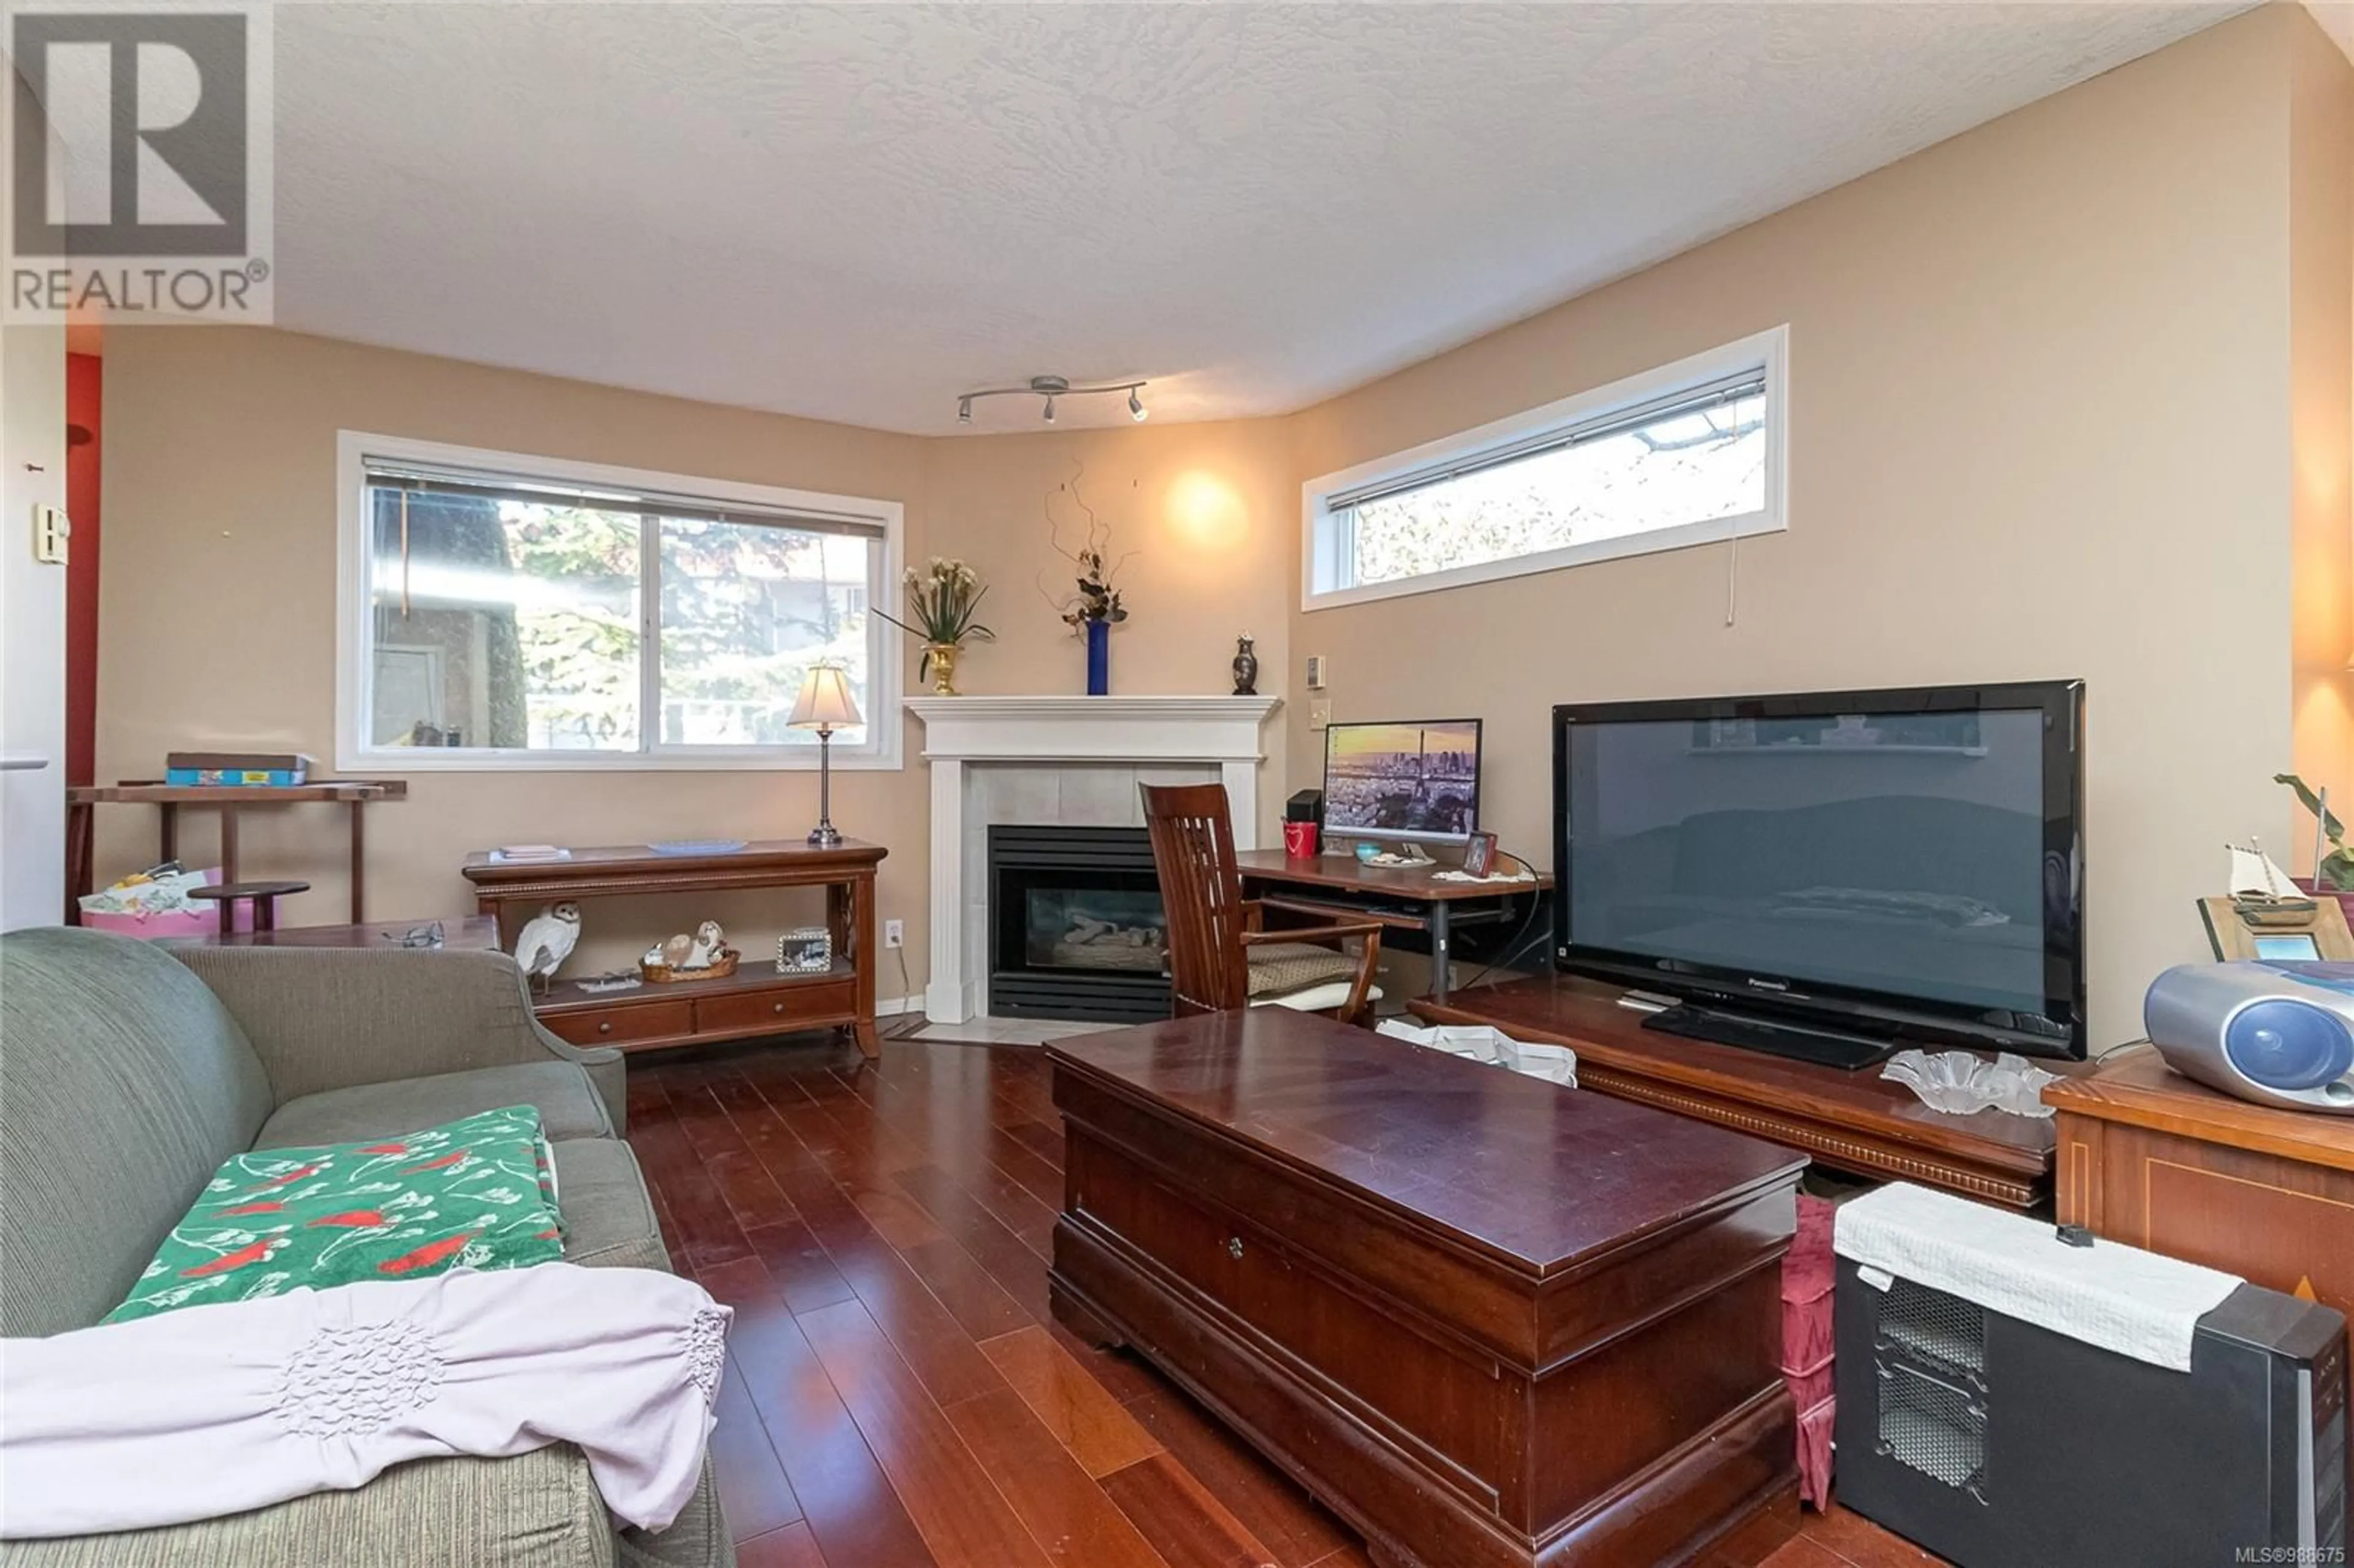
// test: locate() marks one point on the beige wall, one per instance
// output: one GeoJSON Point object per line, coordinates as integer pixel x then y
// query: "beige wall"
{"type": "Point", "coordinates": [2321, 407]}
{"type": "Point", "coordinates": [2038, 381]}
{"type": "Point", "coordinates": [1203, 525]}
{"type": "Point", "coordinates": [221, 509]}
{"type": "Point", "coordinates": [2041, 377]}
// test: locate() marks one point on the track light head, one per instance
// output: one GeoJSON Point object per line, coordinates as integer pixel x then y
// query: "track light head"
{"type": "Point", "coordinates": [1051, 388]}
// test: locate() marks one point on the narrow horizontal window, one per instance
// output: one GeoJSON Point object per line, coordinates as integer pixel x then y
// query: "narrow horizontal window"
{"type": "Point", "coordinates": [1678, 457]}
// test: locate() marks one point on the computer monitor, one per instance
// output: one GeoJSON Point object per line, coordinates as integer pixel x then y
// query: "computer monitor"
{"type": "Point", "coordinates": [1414, 779]}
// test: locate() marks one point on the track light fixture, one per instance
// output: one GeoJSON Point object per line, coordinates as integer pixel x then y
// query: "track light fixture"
{"type": "Point", "coordinates": [1050, 388]}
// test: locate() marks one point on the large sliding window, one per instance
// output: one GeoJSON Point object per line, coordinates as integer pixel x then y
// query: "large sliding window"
{"type": "Point", "coordinates": [1686, 454]}
{"type": "Point", "coordinates": [507, 612]}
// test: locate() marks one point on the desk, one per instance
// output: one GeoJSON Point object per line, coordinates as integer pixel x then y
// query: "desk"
{"type": "Point", "coordinates": [1858, 1122]}
{"type": "Point", "coordinates": [1401, 898]}
{"type": "Point", "coordinates": [228, 799]}
{"type": "Point", "coordinates": [1490, 1322]}
{"type": "Point", "coordinates": [753, 1001]}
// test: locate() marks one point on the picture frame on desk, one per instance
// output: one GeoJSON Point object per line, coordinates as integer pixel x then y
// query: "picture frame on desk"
{"type": "Point", "coordinates": [2307, 929]}
{"type": "Point", "coordinates": [1479, 855]}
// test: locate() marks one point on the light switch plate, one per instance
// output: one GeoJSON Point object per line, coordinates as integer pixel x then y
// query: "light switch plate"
{"type": "Point", "coordinates": [50, 532]}
{"type": "Point", "coordinates": [1319, 714]}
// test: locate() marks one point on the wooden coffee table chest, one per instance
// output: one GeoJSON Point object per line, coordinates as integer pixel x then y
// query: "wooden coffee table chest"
{"type": "Point", "coordinates": [1488, 1320]}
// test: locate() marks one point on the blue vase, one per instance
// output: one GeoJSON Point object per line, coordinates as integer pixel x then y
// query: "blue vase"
{"type": "Point", "coordinates": [1099, 658]}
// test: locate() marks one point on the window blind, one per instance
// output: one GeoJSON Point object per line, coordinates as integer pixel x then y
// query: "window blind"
{"type": "Point", "coordinates": [1716, 394]}
{"type": "Point", "coordinates": [421, 479]}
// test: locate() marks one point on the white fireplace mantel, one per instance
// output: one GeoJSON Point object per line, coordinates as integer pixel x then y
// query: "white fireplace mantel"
{"type": "Point", "coordinates": [962, 734]}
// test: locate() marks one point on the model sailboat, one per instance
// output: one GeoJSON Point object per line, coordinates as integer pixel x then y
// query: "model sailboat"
{"type": "Point", "coordinates": [2261, 891]}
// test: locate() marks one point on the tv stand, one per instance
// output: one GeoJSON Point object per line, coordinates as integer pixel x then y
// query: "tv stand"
{"type": "Point", "coordinates": [1797, 1041]}
{"type": "Point", "coordinates": [1856, 1122]}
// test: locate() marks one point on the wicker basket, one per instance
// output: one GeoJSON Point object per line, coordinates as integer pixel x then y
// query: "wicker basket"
{"type": "Point", "coordinates": [663, 974]}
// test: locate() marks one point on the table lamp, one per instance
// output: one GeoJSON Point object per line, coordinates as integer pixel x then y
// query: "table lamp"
{"type": "Point", "coordinates": [824, 702]}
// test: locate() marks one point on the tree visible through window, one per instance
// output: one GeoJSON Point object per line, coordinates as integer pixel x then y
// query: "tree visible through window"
{"type": "Point", "coordinates": [1682, 455]}
{"type": "Point", "coordinates": [506, 620]}
{"type": "Point", "coordinates": [1688, 468]}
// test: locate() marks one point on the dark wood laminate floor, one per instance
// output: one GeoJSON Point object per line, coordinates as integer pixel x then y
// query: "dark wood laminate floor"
{"type": "Point", "coordinates": [896, 1394]}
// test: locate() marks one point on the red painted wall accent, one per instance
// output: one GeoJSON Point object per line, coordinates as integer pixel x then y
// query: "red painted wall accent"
{"type": "Point", "coordinates": [84, 399]}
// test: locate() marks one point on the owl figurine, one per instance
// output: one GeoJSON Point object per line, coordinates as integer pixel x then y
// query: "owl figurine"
{"type": "Point", "coordinates": [547, 939]}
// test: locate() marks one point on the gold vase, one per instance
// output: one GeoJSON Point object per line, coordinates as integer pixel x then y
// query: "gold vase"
{"type": "Point", "coordinates": [939, 659]}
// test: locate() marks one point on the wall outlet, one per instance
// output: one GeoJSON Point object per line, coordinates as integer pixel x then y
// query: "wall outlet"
{"type": "Point", "coordinates": [895, 933]}
{"type": "Point", "coordinates": [1316, 671]}
{"type": "Point", "coordinates": [1319, 714]}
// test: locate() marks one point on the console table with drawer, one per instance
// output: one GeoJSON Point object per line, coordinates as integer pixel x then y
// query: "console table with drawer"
{"type": "Point", "coordinates": [754, 1001]}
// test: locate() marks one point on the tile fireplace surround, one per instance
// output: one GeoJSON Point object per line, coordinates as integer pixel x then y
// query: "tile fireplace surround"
{"type": "Point", "coordinates": [1067, 762]}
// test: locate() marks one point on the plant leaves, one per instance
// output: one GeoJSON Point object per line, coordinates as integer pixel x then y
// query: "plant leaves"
{"type": "Point", "coordinates": [2331, 828]}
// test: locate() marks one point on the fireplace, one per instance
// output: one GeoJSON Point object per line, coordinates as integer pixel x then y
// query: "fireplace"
{"type": "Point", "coordinates": [1076, 929]}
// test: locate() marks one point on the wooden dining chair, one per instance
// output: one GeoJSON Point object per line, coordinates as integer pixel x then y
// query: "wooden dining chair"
{"type": "Point", "coordinates": [1220, 955]}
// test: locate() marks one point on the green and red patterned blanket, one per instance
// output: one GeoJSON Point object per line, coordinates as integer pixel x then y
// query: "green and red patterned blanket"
{"type": "Point", "coordinates": [474, 1194]}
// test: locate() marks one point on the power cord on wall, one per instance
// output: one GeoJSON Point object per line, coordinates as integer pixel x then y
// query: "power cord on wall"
{"type": "Point", "coordinates": [911, 1021]}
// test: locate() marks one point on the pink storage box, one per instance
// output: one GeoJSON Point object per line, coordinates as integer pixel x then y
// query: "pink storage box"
{"type": "Point", "coordinates": [1810, 1386]}
{"type": "Point", "coordinates": [1808, 1274]}
{"type": "Point", "coordinates": [203, 920]}
{"type": "Point", "coordinates": [1815, 1454]}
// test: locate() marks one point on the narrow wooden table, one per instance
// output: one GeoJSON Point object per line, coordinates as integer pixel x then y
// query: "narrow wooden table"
{"type": "Point", "coordinates": [2151, 1158]}
{"type": "Point", "coordinates": [1410, 900]}
{"type": "Point", "coordinates": [229, 799]}
{"type": "Point", "coordinates": [465, 934]}
{"type": "Point", "coordinates": [1490, 1321]}
{"type": "Point", "coordinates": [1857, 1122]}
{"type": "Point", "coordinates": [756, 1000]}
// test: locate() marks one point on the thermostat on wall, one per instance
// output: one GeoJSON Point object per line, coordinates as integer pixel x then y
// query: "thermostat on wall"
{"type": "Point", "coordinates": [1316, 671]}
{"type": "Point", "coordinates": [50, 531]}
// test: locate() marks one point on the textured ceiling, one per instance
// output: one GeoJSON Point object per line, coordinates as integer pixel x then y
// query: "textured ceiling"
{"type": "Point", "coordinates": [856, 212]}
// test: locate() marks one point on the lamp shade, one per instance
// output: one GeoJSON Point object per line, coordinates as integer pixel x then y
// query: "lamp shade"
{"type": "Point", "coordinates": [826, 702]}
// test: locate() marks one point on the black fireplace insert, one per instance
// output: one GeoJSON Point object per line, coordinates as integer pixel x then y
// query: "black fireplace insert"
{"type": "Point", "coordinates": [1076, 927]}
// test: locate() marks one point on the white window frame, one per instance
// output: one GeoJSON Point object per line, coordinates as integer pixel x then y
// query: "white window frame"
{"type": "Point", "coordinates": [1323, 532]}
{"type": "Point", "coordinates": [354, 621]}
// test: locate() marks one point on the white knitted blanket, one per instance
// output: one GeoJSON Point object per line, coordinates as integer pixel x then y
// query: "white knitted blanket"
{"type": "Point", "coordinates": [213, 1410]}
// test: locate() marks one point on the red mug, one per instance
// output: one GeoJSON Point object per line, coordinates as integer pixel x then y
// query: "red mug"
{"type": "Point", "coordinates": [1299, 839]}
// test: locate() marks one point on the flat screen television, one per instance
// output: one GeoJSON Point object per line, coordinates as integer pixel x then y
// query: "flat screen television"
{"type": "Point", "coordinates": [1831, 876]}
{"type": "Point", "coordinates": [1407, 779]}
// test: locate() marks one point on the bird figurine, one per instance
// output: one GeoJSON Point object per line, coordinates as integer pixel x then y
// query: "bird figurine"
{"type": "Point", "coordinates": [547, 941]}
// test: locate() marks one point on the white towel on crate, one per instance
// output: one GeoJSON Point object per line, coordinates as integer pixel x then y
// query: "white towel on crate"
{"type": "Point", "coordinates": [213, 1410]}
{"type": "Point", "coordinates": [2117, 1296]}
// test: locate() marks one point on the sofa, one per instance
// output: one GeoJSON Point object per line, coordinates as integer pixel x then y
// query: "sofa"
{"type": "Point", "coordinates": [129, 1071]}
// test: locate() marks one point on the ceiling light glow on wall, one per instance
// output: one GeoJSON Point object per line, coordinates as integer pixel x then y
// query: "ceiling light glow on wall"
{"type": "Point", "coordinates": [1050, 388]}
